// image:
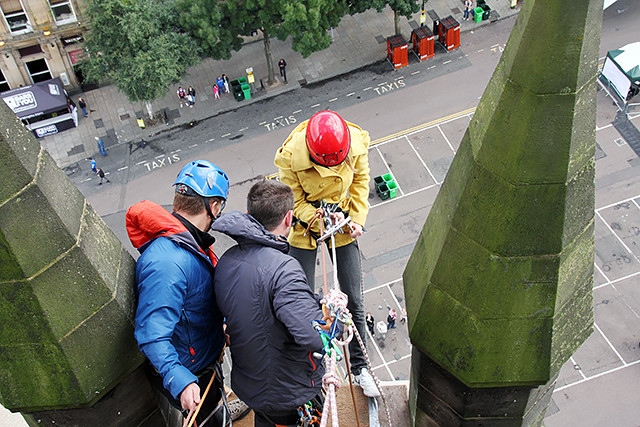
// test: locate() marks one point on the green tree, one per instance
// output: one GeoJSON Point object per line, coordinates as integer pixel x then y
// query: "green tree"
{"type": "Point", "coordinates": [218, 27]}
{"type": "Point", "coordinates": [136, 44]}
{"type": "Point", "coordinates": [400, 8]}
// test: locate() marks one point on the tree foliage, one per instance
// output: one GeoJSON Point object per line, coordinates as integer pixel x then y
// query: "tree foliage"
{"type": "Point", "coordinates": [400, 8]}
{"type": "Point", "coordinates": [136, 44]}
{"type": "Point", "coordinates": [220, 26]}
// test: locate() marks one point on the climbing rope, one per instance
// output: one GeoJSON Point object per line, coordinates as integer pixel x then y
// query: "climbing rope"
{"type": "Point", "coordinates": [335, 307]}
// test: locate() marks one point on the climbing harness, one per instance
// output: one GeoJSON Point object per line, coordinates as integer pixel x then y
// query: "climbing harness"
{"type": "Point", "coordinates": [190, 420]}
{"type": "Point", "coordinates": [335, 307]}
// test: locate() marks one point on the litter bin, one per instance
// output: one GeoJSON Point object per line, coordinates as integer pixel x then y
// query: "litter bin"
{"type": "Point", "coordinates": [393, 189]}
{"type": "Point", "coordinates": [477, 14]}
{"type": "Point", "coordinates": [237, 90]}
{"type": "Point", "coordinates": [383, 191]}
{"type": "Point", "coordinates": [242, 80]}
{"type": "Point", "coordinates": [486, 12]}
{"type": "Point", "coordinates": [246, 90]}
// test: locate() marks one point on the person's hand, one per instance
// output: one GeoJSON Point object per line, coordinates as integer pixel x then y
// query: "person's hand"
{"type": "Point", "coordinates": [356, 230]}
{"type": "Point", "coordinates": [190, 397]}
{"type": "Point", "coordinates": [336, 217]}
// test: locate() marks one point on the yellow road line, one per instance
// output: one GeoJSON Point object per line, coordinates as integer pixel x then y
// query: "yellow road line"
{"type": "Point", "coordinates": [423, 126]}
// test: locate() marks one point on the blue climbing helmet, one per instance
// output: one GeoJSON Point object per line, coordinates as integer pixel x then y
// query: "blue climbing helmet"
{"type": "Point", "coordinates": [202, 178]}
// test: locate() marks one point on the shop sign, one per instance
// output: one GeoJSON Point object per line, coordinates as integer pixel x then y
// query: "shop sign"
{"type": "Point", "coordinates": [47, 130]}
{"type": "Point", "coordinates": [21, 101]}
{"type": "Point", "coordinates": [66, 41]}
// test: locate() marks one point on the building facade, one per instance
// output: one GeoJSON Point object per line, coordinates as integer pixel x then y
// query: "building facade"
{"type": "Point", "coordinates": [41, 40]}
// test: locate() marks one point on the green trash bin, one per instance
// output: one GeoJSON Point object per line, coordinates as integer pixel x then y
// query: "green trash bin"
{"type": "Point", "coordinates": [242, 80]}
{"type": "Point", "coordinates": [246, 89]}
{"type": "Point", "coordinates": [393, 189]}
{"type": "Point", "coordinates": [477, 14]}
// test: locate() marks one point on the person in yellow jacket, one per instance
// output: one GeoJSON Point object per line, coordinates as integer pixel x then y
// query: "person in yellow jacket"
{"type": "Point", "coordinates": [325, 159]}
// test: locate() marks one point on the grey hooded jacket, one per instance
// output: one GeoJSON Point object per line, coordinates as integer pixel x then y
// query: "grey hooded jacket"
{"type": "Point", "coordinates": [269, 307]}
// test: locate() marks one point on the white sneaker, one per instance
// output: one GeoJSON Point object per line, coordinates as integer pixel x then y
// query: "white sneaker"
{"type": "Point", "coordinates": [366, 382]}
{"type": "Point", "coordinates": [238, 409]}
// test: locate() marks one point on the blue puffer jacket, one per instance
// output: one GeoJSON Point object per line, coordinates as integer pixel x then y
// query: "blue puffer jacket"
{"type": "Point", "coordinates": [178, 326]}
{"type": "Point", "coordinates": [268, 305]}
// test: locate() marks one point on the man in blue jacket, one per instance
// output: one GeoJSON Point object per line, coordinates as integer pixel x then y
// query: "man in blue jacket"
{"type": "Point", "coordinates": [269, 308]}
{"type": "Point", "coordinates": [177, 324]}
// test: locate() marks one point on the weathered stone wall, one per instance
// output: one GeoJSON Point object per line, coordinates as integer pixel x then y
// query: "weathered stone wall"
{"type": "Point", "coordinates": [66, 285]}
{"type": "Point", "coordinates": [499, 285]}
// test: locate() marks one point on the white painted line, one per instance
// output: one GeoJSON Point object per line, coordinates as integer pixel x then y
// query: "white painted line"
{"type": "Point", "coordinates": [579, 370]}
{"type": "Point", "coordinates": [601, 374]}
{"type": "Point", "coordinates": [297, 111]}
{"type": "Point", "coordinates": [122, 168]}
{"type": "Point", "coordinates": [278, 118]}
{"type": "Point", "coordinates": [351, 94]}
{"type": "Point", "coordinates": [367, 88]}
{"type": "Point", "coordinates": [624, 245]}
{"type": "Point", "coordinates": [446, 139]}
{"type": "Point", "coordinates": [225, 135]}
{"type": "Point", "coordinates": [192, 146]}
{"type": "Point", "coordinates": [315, 105]}
{"type": "Point", "coordinates": [333, 99]}
{"type": "Point", "coordinates": [422, 161]}
{"type": "Point", "coordinates": [609, 342]}
{"type": "Point", "coordinates": [212, 139]}
{"type": "Point", "coordinates": [262, 123]}
{"type": "Point", "coordinates": [383, 84]}
{"type": "Point", "coordinates": [446, 62]}
{"type": "Point", "coordinates": [415, 72]}
{"type": "Point", "coordinates": [243, 129]}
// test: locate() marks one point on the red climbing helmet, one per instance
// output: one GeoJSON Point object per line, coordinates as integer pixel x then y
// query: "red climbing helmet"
{"type": "Point", "coordinates": [328, 138]}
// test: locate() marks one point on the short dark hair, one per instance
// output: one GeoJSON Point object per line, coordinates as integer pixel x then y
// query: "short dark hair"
{"type": "Point", "coordinates": [269, 201]}
{"type": "Point", "coordinates": [191, 205]}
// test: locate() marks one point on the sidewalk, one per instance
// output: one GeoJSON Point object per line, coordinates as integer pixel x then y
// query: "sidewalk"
{"type": "Point", "coordinates": [358, 41]}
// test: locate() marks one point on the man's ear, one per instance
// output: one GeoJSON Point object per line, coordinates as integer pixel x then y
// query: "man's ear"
{"type": "Point", "coordinates": [288, 219]}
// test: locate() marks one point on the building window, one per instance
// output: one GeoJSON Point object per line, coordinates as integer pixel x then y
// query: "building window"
{"type": "Point", "coordinates": [15, 16]}
{"type": "Point", "coordinates": [30, 50]}
{"type": "Point", "coordinates": [62, 11]}
{"type": "Point", "coordinates": [39, 70]}
{"type": "Point", "coordinates": [4, 86]}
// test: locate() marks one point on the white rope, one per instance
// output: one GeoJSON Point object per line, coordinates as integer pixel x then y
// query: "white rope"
{"type": "Point", "coordinates": [330, 382]}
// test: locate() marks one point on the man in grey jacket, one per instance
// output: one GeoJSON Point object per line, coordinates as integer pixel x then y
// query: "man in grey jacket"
{"type": "Point", "coordinates": [269, 309]}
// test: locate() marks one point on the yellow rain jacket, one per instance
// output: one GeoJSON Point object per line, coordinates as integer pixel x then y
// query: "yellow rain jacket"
{"type": "Point", "coordinates": [346, 184]}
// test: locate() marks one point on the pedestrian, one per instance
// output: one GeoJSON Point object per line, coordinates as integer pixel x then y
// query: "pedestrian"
{"type": "Point", "coordinates": [326, 159]}
{"type": "Point", "coordinates": [391, 319]}
{"type": "Point", "coordinates": [216, 92]}
{"type": "Point", "coordinates": [468, 5]}
{"type": "Point", "coordinates": [94, 166]}
{"type": "Point", "coordinates": [371, 322]}
{"type": "Point", "coordinates": [403, 316]}
{"type": "Point", "coordinates": [182, 96]}
{"type": "Point", "coordinates": [191, 96]}
{"type": "Point", "coordinates": [269, 308]}
{"type": "Point", "coordinates": [177, 325]}
{"type": "Point", "coordinates": [225, 82]}
{"type": "Point", "coordinates": [220, 84]}
{"type": "Point", "coordinates": [282, 64]}
{"type": "Point", "coordinates": [101, 148]}
{"type": "Point", "coordinates": [100, 173]}
{"type": "Point", "coordinates": [83, 106]}
{"type": "Point", "coordinates": [382, 330]}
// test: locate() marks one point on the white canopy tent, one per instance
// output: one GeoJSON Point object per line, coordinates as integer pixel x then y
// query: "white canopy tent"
{"type": "Point", "coordinates": [621, 70]}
